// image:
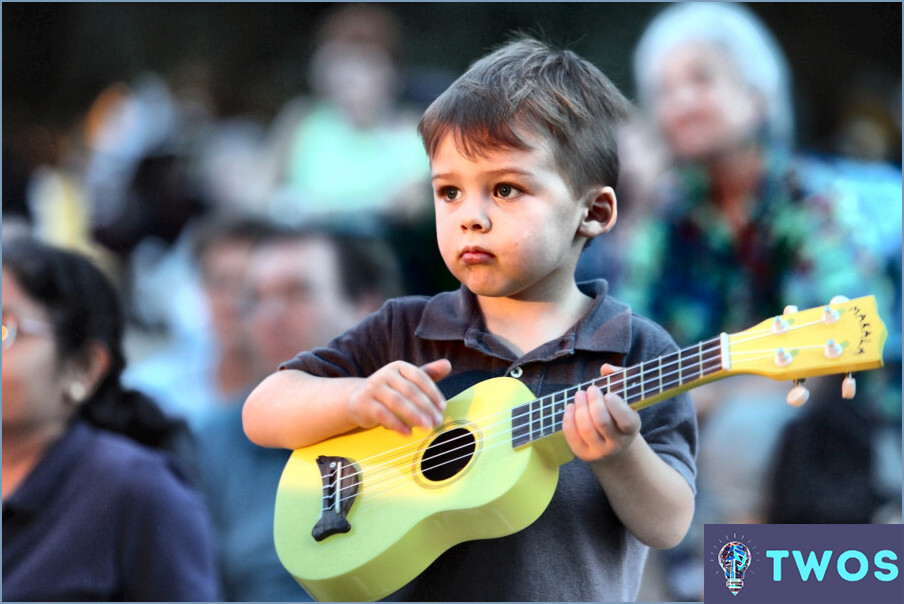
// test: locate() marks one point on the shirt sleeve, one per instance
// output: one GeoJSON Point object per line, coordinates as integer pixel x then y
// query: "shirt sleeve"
{"type": "Point", "coordinates": [669, 427]}
{"type": "Point", "coordinates": [671, 431]}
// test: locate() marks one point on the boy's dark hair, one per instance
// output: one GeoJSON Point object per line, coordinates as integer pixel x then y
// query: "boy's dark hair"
{"type": "Point", "coordinates": [525, 86]}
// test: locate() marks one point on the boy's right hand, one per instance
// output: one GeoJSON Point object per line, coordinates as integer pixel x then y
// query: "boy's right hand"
{"type": "Point", "coordinates": [399, 396]}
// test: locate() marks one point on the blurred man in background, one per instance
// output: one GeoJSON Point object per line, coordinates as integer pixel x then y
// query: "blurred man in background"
{"type": "Point", "coordinates": [302, 288]}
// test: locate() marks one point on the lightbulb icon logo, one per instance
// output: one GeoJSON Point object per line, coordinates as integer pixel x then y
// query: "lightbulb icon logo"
{"type": "Point", "coordinates": [734, 558]}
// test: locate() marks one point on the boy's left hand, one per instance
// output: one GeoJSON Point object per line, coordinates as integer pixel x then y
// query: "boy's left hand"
{"type": "Point", "coordinates": [597, 425]}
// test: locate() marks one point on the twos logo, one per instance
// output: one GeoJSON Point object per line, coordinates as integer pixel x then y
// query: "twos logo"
{"type": "Point", "coordinates": [824, 563]}
{"type": "Point", "coordinates": [734, 558]}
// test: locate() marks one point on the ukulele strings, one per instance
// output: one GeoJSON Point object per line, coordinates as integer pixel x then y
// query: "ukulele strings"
{"type": "Point", "coordinates": [596, 381]}
{"type": "Point", "coordinates": [405, 461]}
{"type": "Point", "coordinates": [767, 332]}
{"type": "Point", "coordinates": [664, 362]}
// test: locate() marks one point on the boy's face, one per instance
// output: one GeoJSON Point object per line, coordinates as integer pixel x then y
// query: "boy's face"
{"type": "Point", "coordinates": [507, 223]}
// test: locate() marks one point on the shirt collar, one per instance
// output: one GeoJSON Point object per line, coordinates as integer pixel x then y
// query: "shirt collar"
{"type": "Point", "coordinates": [606, 327]}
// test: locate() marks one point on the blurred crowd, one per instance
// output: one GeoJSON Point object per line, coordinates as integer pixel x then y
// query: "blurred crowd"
{"type": "Point", "coordinates": [234, 243]}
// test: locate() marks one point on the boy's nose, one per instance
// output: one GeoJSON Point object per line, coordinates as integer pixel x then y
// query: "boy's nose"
{"type": "Point", "coordinates": [476, 224]}
{"type": "Point", "coordinates": [474, 217]}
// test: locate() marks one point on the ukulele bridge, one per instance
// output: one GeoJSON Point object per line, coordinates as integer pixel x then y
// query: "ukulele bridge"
{"type": "Point", "coordinates": [340, 488]}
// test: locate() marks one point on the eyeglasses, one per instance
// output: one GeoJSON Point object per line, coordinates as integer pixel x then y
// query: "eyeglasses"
{"type": "Point", "coordinates": [13, 326]}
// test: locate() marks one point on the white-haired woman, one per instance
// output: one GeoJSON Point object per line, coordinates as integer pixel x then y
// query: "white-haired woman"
{"type": "Point", "coordinates": [741, 224]}
{"type": "Point", "coordinates": [749, 225]}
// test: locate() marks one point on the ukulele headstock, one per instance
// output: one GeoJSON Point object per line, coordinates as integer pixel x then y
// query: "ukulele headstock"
{"type": "Point", "coordinates": [839, 338]}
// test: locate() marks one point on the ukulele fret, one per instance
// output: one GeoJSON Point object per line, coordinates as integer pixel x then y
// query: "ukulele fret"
{"type": "Point", "coordinates": [521, 425]}
{"type": "Point", "coordinates": [556, 411]}
{"type": "Point", "coordinates": [548, 418]}
{"type": "Point", "coordinates": [699, 361]}
{"type": "Point", "coordinates": [616, 384]}
{"type": "Point", "coordinates": [689, 367]}
{"type": "Point", "coordinates": [633, 380]}
{"type": "Point", "coordinates": [536, 420]}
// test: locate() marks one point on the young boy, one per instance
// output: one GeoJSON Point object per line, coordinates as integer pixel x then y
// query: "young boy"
{"type": "Point", "coordinates": [523, 159]}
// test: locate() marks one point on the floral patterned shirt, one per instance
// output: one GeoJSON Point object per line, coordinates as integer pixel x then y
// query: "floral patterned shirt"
{"type": "Point", "coordinates": [814, 233]}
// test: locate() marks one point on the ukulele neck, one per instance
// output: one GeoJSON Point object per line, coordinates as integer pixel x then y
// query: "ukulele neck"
{"type": "Point", "coordinates": [639, 385]}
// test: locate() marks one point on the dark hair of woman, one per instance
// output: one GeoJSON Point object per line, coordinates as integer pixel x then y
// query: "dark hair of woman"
{"type": "Point", "coordinates": [85, 309]}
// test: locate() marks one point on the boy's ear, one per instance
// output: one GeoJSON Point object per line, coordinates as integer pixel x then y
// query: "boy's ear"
{"type": "Point", "coordinates": [601, 212]}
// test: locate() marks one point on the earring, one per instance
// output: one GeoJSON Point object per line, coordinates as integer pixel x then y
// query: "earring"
{"type": "Point", "coordinates": [77, 391]}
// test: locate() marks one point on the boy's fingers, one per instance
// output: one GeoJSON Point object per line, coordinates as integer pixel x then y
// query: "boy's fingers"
{"type": "Point", "coordinates": [606, 369]}
{"type": "Point", "coordinates": [570, 423]}
{"type": "Point", "coordinates": [410, 403]}
{"type": "Point", "coordinates": [589, 420]}
{"type": "Point", "coordinates": [598, 412]}
{"type": "Point", "coordinates": [438, 369]}
{"type": "Point", "coordinates": [385, 417]}
{"type": "Point", "coordinates": [425, 392]}
{"type": "Point", "coordinates": [623, 416]}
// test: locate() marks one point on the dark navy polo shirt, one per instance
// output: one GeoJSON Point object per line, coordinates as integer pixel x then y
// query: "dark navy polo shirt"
{"type": "Point", "coordinates": [578, 550]}
{"type": "Point", "coordinates": [104, 518]}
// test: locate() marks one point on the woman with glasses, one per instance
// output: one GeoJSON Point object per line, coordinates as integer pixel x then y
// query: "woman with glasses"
{"type": "Point", "coordinates": [95, 504]}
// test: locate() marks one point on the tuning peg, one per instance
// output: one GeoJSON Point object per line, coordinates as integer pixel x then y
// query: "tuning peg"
{"type": "Point", "coordinates": [798, 395]}
{"type": "Point", "coordinates": [783, 358]}
{"type": "Point", "coordinates": [829, 315]}
{"type": "Point", "coordinates": [833, 349]}
{"type": "Point", "coordinates": [849, 387]}
{"type": "Point", "coordinates": [839, 300]}
{"type": "Point", "coordinates": [789, 310]}
{"type": "Point", "coordinates": [779, 325]}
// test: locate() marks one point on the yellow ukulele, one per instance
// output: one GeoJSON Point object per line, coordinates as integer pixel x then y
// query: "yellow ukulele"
{"type": "Point", "coordinates": [360, 515]}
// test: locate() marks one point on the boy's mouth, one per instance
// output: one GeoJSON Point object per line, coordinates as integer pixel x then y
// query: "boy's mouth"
{"type": "Point", "coordinates": [475, 255]}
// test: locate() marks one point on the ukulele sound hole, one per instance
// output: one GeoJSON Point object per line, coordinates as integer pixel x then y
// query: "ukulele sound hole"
{"type": "Point", "coordinates": [448, 454]}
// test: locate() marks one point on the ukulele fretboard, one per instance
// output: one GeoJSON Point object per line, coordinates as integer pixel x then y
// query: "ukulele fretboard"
{"type": "Point", "coordinates": [636, 384]}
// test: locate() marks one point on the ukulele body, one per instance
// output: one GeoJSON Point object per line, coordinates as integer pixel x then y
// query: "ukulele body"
{"type": "Point", "coordinates": [409, 499]}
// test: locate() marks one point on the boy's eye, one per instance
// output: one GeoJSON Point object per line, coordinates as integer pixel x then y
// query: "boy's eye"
{"type": "Point", "coordinates": [448, 193]}
{"type": "Point", "coordinates": [506, 191]}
